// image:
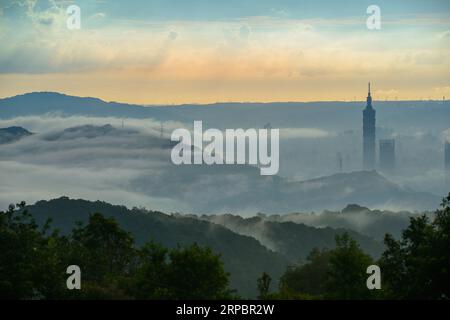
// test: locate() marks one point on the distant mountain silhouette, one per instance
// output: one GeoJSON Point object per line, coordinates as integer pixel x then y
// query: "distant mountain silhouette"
{"type": "Point", "coordinates": [85, 131]}
{"type": "Point", "coordinates": [12, 134]}
{"type": "Point", "coordinates": [351, 208]}
{"type": "Point", "coordinates": [39, 103]}
{"type": "Point", "coordinates": [278, 195]}
{"type": "Point", "coordinates": [367, 188]}
{"type": "Point", "coordinates": [334, 115]}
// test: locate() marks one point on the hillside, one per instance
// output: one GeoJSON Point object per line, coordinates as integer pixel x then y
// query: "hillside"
{"type": "Point", "coordinates": [372, 223]}
{"type": "Point", "coordinates": [12, 134]}
{"type": "Point", "coordinates": [245, 258]}
{"type": "Point", "coordinates": [293, 240]}
{"type": "Point", "coordinates": [39, 103]}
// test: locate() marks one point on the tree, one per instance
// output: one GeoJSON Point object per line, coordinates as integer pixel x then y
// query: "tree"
{"type": "Point", "coordinates": [264, 285]}
{"type": "Point", "coordinates": [329, 274]}
{"type": "Point", "coordinates": [149, 281]}
{"type": "Point", "coordinates": [34, 260]}
{"type": "Point", "coordinates": [30, 259]}
{"type": "Point", "coordinates": [102, 248]}
{"type": "Point", "coordinates": [347, 270]}
{"type": "Point", "coordinates": [197, 273]}
{"type": "Point", "coordinates": [307, 280]}
{"type": "Point", "coordinates": [192, 272]}
{"type": "Point", "coordinates": [106, 255]}
{"type": "Point", "coordinates": [417, 265]}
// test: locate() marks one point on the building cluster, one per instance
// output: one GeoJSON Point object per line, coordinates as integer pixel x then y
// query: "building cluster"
{"type": "Point", "coordinates": [386, 151]}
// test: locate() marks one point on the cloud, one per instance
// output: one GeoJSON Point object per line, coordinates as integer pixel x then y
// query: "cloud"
{"type": "Point", "coordinates": [251, 58]}
{"type": "Point", "coordinates": [257, 47]}
{"type": "Point", "coordinates": [98, 15]}
{"type": "Point", "coordinates": [89, 161]}
{"type": "Point", "coordinates": [304, 133]}
{"type": "Point", "coordinates": [444, 34]}
{"type": "Point", "coordinates": [40, 42]}
{"type": "Point", "coordinates": [54, 123]}
{"type": "Point", "coordinates": [95, 158]}
{"type": "Point", "coordinates": [89, 158]}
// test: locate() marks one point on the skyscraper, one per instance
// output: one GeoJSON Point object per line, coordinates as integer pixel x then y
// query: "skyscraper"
{"type": "Point", "coordinates": [369, 134]}
{"type": "Point", "coordinates": [387, 155]}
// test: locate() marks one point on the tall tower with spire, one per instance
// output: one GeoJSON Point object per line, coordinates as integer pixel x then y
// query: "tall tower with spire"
{"type": "Point", "coordinates": [369, 134]}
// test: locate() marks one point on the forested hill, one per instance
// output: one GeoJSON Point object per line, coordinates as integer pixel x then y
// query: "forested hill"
{"type": "Point", "coordinates": [244, 257]}
{"type": "Point", "coordinates": [293, 240]}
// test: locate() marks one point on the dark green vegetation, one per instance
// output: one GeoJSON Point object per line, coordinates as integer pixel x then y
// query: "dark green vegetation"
{"type": "Point", "coordinates": [329, 274]}
{"type": "Point", "coordinates": [293, 240]}
{"type": "Point", "coordinates": [414, 267]}
{"type": "Point", "coordinates": [245, 255]}
{"type": "Point", "coordinates": [373, 223]}
{"type": "Point", "coordinates": [35, 257]}
{"type": "Point", "coordinates": [418, 265]}
{"type": "Point", "coordinates": [33, 263]}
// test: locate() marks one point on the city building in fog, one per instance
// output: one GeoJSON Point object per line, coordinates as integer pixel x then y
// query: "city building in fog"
{"type": "Point", "coordinates": [369, 134]}
{"type": "Point", "coordinates": [387, 155]}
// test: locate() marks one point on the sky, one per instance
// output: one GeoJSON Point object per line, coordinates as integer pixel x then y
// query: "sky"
{"type": "Point", "coordinates": [205, 51]}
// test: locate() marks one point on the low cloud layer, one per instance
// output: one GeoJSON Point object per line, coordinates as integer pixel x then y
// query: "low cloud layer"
{"type": "Point", "coordinates": [126, 161]}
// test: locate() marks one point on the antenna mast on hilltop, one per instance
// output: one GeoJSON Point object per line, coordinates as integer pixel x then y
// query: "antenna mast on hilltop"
{"type": "Point", "coordinates": [339, 161]}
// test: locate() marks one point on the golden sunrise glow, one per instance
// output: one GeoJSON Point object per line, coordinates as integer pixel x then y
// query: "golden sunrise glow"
{"type": "Point", "coordinates": [254, 59]}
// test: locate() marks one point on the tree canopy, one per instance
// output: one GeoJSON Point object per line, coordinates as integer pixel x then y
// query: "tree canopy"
{"type": "Point", "coordinates": [413, 267]}
{"type": "Point", "coordinates": [34, 260]}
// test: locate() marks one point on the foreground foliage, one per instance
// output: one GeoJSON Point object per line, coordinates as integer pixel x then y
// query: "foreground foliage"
{"type": "Point", "coordinates": [34, 260]}
{"type": "Point", "coordinates": [417, 266]}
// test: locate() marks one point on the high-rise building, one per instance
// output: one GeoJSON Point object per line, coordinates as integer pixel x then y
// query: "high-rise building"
{"type": "Point", "coordinates": [369, 134]}
{"type": "Point", "coordinates": [447, 156]}
{"type": "Point", "coordinates": [387, 155]}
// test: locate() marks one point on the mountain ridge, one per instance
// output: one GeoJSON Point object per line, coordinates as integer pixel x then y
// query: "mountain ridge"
{"type": "Point", "coordinates": [12, 134]}
{"type": "Point", "coordinates": [244, 256]}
